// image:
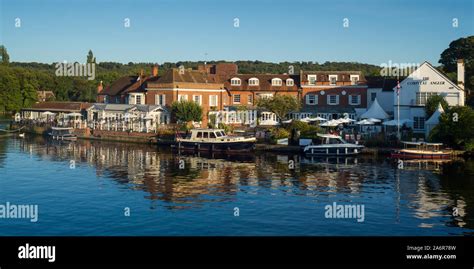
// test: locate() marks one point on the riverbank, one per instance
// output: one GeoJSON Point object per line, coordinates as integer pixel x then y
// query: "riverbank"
{"type": "Point", "coordinates": [151, 138]}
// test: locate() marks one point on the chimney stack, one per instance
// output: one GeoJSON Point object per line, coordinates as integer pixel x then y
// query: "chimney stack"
{"type": "Point", "coordinates": [154, 70]}
{"type": "Point", "coordinates": [100, 87]}
{"type": "Point", "coordinates": [461, 73]}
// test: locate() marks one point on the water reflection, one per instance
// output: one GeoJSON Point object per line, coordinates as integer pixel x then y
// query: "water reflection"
{"type": "Point", "coordinates": [429, 190]}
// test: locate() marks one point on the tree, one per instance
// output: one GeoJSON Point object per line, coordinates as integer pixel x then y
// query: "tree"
{"type": "Point", "coordinates": [281, 105]}
{"type": "Point", "coordinates": [432, 104]}
{"type": "Point", "coordinates": [186, 111]}
{"type": "Point", "coordinates": [4, 57]}
{"type": "Point", "coordinates": [90, 57]}
{"type": "Point", "coordinates": [455, 128]}
{"type": "Point", "coordinates": [462, 48]}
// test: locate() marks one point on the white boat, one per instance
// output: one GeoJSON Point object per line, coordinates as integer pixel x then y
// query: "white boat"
{"type": "Point", "coordinates": [63, 133]}
{"type": "Point", "coordinates": [215, 140]}
{"type": "Point", "coordinates": [328, 144]}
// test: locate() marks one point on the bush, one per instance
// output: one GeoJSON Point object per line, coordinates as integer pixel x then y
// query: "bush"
{"type": "Point", "coordinates": [306, 130]}
{"type": "Point", "coordinates": [278, 133]}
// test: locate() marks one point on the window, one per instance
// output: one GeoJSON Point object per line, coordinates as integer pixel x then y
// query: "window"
{"type": "Point", "coordinates": [199, 135]}
{"type": "Point", "coordinates": [354, 79]}
{"type": "Point", "coordinates": [332, 79]}
{"type": "Point", "coordinates": [197, 99]}
{"type": "Point", "coordinates": [373, 95]}
{"type": "Point", "coordinates": [422, 97]}
{"type": "Point", "coordinates": [354, 99]}
{"type": "Point", "coordinates": [235, 82]}
{"type": "Point", "coordinates": [237, 98]}
{"type": "Point", "coordinates": [182, 97]}
{"type": "Point", "coordinates": [250, 99]}
{"type": "Point", "coordinates": [213, 135]}
{"type": "Point", "coordinates": [290, 82]}
{"type": "Point", "coordinates": [218, 134]}
{"type": "Point", "coordinates": [213, 100]}
{"type": "Point", "coordinates": [265, 95]}
{"type": "Point", "coordinates": [160, 99]}
{"type": "Point", "coordinates": [205, 135]}
{"type": "Point", "coordinates": [253, 82]}
{"type": "Point", "coordinates": [312, 79]}
{"type": "Point", "coordinates": [311, 99]}
{"type": "Point", "coordinates": [138, 99]}
{"type": "Point", "coordinates": [276, 82]}
{"type": "Point", "coordinates": [419, 123]}
{"type": "Point", "coordinates": [333, 99]}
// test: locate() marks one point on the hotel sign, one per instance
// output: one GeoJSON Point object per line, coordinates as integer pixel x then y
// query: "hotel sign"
{"type": "Point", "coordinates": [426, 81]}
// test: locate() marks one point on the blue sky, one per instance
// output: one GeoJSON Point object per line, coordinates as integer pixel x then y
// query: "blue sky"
{"type": "Point", "coordinates": [404, 31]}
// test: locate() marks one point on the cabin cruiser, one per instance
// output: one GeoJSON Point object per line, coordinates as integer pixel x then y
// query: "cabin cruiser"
{"type": "Point", "coordinates": [215, 140]}
{"type": "Point", "coordinates": [328, 144]}
{"type": "Point", "coordinates": [421, 150]}
{"type": "Point", "coordinates": [63, 133]}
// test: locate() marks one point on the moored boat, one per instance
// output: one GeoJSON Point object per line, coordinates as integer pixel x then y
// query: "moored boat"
{"type": "Point", "coordinates": [421, 150]}
{"type": "Point", "coordinates": [328, 144]}
{"type": "Point", "coordinates": [63, 133]}
{"type": "Point", "coordinates": [215, 140]}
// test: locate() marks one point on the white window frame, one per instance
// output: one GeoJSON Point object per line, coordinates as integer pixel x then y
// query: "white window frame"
{"type": "Point", "coordinates": [250, 99]}
{"type": "Point", "coordinates": [211, 102]}
{"type": "Point", "coordinates": [254, 82]}
{"type": "Point", "coordinates": [138, 96]}
{"type": "Point", "coordinates": [161, 102]}
{"type": "Point", "coordinates": [311, 96]}
{"type": "Point", "coordinates": [315, 79]}
{"type": "Point", "coordinates": [352, 81]}
{"type": "Point", "coordinates": [290, 82]}
{"type": "Point", "coordinates": [329, 99]}
{"type": "Point", "coordinates": [200, 99]}
{"type": "Point", "coordinates": [235, 82]}
{"type": "Point", "coordinates": [358, 99]}
{"type": "Point", "coordinates": [234, 97]}
{"type": "Point", "coordinates": [330, 80]}
{"type": "Point", "coordinates": [182, 97]}
{"type": "Point", "coordinates": [277, 82]}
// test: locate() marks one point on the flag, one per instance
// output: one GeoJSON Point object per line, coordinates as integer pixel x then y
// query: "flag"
{"type": "Point", "coordinates": [398, 87]}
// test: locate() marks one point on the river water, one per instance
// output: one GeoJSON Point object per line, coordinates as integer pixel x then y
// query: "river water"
{"type": "Point", "coordinates": [107, 188]}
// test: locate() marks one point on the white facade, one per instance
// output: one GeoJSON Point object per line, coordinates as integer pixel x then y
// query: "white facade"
{"type": "Point", "coordinates": [417, 88]}
{"type": "Point", "coordinates": [385, 98]}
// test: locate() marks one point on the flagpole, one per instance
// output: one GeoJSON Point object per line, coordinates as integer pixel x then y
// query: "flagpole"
{"type": "Point", "coordinates": [398, 107]}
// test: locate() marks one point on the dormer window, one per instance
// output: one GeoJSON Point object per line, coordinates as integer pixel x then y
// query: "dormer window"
{"type": "Point", "coordinates": [290, 82]}
{"type": "Point", "coordinates": [332, 79]}
{"type": "Point", "coordinates": [312, 79]}
{"type": "Point", "coordinates": [354, 79]}
{"type": "Point", "coordinates": [276, 82]}
{"type": "Point", "coordinates": [253, 82]}
{"type": "Point", "coordinates": [235, 82]}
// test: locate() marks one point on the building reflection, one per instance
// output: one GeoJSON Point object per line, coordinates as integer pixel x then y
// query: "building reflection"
{"type": "Point", "coordinates": [186, 180]}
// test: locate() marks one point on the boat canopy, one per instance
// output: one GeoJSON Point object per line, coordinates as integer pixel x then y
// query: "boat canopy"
{"type": "Point", "coordinates": [421, 143]}
{"type": "Point", "coordinates": [328, 136]}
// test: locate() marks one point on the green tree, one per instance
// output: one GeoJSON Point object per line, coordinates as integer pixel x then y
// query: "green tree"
{"type": "Point", "coordinates": [4, 57]}
{"type": "Point", "coordinates": [462, 48]}
{"type": "Point", "coordinates": [432, 104]}
{"type": "Point", "coordinates": [455, 128]}
{"type": "Point", "coordinates": [10, 90]}
{"type": "Point", "coordinates": [90, 57]}
{"type": "Point", "coordinates": [186, 111]}
{"type": "Point", "coordinates": [281, 105]}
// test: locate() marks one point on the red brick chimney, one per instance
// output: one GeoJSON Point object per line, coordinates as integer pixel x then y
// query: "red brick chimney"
{"type": "Point", "coordinates": [154, 70]}
{"type": "Point", "coordinates": [100, 87]}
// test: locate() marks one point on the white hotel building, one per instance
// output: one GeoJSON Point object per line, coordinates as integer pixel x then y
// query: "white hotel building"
{"type": "Point", "coordinates": [419, 86]}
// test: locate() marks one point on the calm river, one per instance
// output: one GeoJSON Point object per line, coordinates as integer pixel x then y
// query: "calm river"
{"type": "Point", "coordinates": [106, 188]}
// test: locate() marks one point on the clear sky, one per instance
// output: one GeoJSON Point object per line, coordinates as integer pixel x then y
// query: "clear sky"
{"type": "Point", "coordinates": [404, 31]}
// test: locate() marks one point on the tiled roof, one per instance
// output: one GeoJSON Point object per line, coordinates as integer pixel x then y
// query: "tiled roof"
{"type": "Point", "coordinates": [323, 76]}
{"type": "Point", "coordinates": [60, 106]}
{"type": "Point", "coordinates": [186, 76]}
{"type": "Point", "coordinates": [123, 85]}
{"type": "Point", "coordinates": [385, 83]}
